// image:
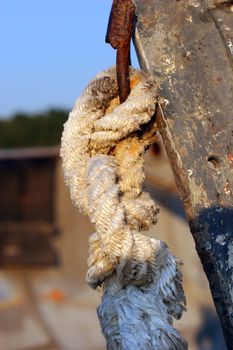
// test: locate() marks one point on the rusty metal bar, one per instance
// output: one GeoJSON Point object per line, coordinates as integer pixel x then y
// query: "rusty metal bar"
{"type": "Point", "coordinates": [119, 33]}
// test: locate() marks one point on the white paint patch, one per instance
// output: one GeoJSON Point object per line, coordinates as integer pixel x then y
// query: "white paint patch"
{"type": "Point", "coordinates": [194, 3]}
{"type": "Point", "coordinates": [189, 19]}
{"type": "Point", "coordinates": [227, 188]}
{"type": "Point", "coordinates": [230, 45]}
{"type": "Point", "coordinates": [219, 210]}
{"type": "Point", "coordinates": [170, 66]}
{"type": "Point", "coordinates": [166, 102]}
{"type": "Point", "coordinates": [230, 255]}
{"type": "Point", "coordinates": [221, 239]}
{"type": "Point", "coordinates": [190, 173]}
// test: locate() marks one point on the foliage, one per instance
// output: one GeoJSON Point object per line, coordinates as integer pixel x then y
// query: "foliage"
{"type": "Point", "coordinates": [24, 130]}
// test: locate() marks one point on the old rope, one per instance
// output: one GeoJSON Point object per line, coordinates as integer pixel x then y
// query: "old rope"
{"type": "Point", "coordinates": [102, 150]}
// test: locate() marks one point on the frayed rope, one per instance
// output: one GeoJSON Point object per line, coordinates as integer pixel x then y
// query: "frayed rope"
{"type": "Point", "coordinates": [102, 150]}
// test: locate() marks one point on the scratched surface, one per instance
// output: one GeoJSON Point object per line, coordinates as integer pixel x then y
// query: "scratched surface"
{"type": "Point", "coordinates": [187, 48]}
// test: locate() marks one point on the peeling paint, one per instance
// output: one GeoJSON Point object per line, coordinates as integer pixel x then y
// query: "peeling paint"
{"type": "Point", "coordinates": [166, 102]}
{"type": "Point", "coordinates": [190, 173]}
{"type": "Point", "coordinates": [194, 3]}
{"type": "Point", "coordinates": [189, 19]}
{"type": "Point", "coordinates": [170, 66]}
{"type": "Point", "coordinates": [198, 196]}
{"type": "Point", "coordinates": [230, 256]}
{"type": "Point", "coordinates": [221, 239]}
{"type": "Point", "coordinates": [230, 45]}
{"type": "Point", "coordinates": [227, 188]}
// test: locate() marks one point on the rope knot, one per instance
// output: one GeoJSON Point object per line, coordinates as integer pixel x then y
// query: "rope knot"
{"type": "Point", "coordinates": [103, 144]}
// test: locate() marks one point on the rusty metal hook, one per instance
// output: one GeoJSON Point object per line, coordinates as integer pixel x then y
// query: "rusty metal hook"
{"type": "Point", "coordinates": [119, 34]}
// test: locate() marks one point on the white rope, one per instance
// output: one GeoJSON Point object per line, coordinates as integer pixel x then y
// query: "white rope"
{"type": "Point", "coordinates": [102, 150]}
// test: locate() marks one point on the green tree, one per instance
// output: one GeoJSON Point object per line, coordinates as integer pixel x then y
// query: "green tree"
{"type": "Point", "coordinates": [24, 130]}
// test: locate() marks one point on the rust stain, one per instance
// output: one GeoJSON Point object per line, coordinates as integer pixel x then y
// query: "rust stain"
{"type": "Point", "coordinates": [134, 80]}
{"type": "Point", "coordinates": [227, 189]}
{"type": "Point", "coordinates": [230, 157]}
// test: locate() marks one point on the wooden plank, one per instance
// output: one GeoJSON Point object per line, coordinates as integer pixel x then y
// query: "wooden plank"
{"type": "Point", "coordinates": [185, 51]}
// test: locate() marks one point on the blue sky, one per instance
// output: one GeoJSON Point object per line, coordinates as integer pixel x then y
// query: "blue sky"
{"type": "Point", "coordinates": [49, 51]}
